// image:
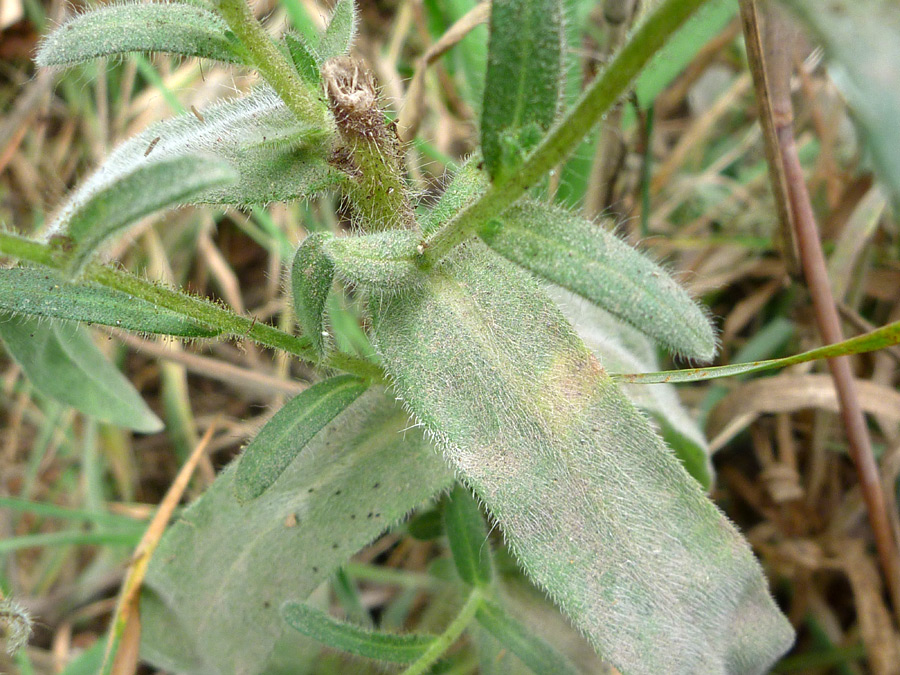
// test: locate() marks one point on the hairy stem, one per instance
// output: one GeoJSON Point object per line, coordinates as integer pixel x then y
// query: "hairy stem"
{"type": "Point", "coordinates": [444, 641]}
{"type": "Point", "coordinates": [198, 309]}
{"type": "Point", "coordinates": [565, 135]}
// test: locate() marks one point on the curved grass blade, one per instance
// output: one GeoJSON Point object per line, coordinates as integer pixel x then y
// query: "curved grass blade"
{"type": "Point", "coordinates": [588, 260]}
{"type": "Point", "coordinates": [289, 431]}
{"type": "Point", "coordinates": [340, 32]}
{"type": "Point", "coordinates": [346, 637]}
{"type": "Point", "coordinates": [155, 186]}
{"type": "Point", "coordinates": [216, 584]}
{"type": "Point", "coordinates": [62, 362]}
{"type": "Point", "coordinates": [42, 293]}
{"type": "Point", "coordinates": [170, 27]}
{"type": "Point", "coordinates": [597, 510]}
{"type": "Point", "coordinates": [383, 261]}
{"type": "Point", "coordinates": [312, 275]}
{"type": "Point", "coordinates": [534, 652]}
{"type": "Point", "coordinates": [886, 336]}
{"type": "Point", "coordinates": [468, 537]}
{"type": "Point", "coordinates": [525, 75]}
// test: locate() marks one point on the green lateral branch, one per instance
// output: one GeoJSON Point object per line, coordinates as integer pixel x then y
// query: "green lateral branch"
{"type": "Point", "coordinates": [565, 135]}
{"type": "Point", "coordinates": [369, 151]}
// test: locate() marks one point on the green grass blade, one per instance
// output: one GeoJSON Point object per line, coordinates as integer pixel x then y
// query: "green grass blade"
{"type": "Point", "coordinates": [155, 186]}
{"type": "Point", "coordinates": [468, 538]}
{"type": "Point", "coordinates": [312, 275]}
{"type": "Point", "coordinates": [43, 293]}
{"type": "Point", "coordinates": [62, 362]}
{"type": "Point", "coordinates": [598, 511]}
{"type": "Point", "coordinates": [353, 639]}
{"type": "Point", "coordinates": [534, 652]}
{"type": "Point", "coordinates": [124, 27]}
{"type": "Point", "coordinates": [290, 430]}
{"type": "Point", "coordinates": [524, 80]}
{"type": "Point", "coordinates": [587, 259]}
{"type": "Point", "coordinates": [221, 573]}
{"type": "Point", "coordinates": [340, 32]}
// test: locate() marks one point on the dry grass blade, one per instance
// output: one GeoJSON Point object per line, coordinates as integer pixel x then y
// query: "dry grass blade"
{"type": "Point", "coordinates": [122, 649]}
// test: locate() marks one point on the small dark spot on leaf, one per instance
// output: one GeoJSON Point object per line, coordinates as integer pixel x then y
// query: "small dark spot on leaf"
{"type": "Point", "coordinates": [376, 486]}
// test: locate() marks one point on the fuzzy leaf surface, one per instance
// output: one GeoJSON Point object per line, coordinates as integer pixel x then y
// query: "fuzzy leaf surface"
{"type": "Point", "coordinates": [340, 32]}
{"type": "Point", "coordinates": [216, 583]}
{"type": "Point", "coordinates": [312, 274]}
{"type": "Point", "coordinates": [63, 363]}
{"type": "Point", "coordinates": [290, 430]}
{"type": "Point", "coordinates": [42, 293]}
{"type": "Point", "coordinates": [523, 86]}
{"type": "Point", "coordinates": [596, 508]}
{"type": "Point", "coordinates": [120, 28]}
{"type": "Point", "coordinates": [468, 537]}
{"type": "Point", "coordinates": [304, 60]}
{"type": "Point", "coordinates": [588, 260]}
{"type": "Point", "coordinates": [467, 184]}
{"type": "Point", "coordinates": [149, 188]}
{"type": "Point", "coordinates": [862, 40]}
{"type": "Point", "coordinates": [384, 261]}
{"type": "Point", "coordinates": [346, 637]}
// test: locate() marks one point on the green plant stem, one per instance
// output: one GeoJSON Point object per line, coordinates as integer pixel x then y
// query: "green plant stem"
{"type": "Point", "coordinates": [443, 641]}
{"type": "Point", "coordinates": [226, 321]}
{"type": "Point", "coordinates": [565, 135]}
{"type": "Point", "coordinates": [273, 65]}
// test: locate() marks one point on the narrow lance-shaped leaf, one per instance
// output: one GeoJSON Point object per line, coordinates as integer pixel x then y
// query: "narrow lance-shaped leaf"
{"type": "Point", "coordinates": [290, 430]}
{"type": "Point", "coordinates": [312, 274]}
{"type": "Point", "coordinates": [217, 581]}
{"type": "Point", "coordinates": [534, 652]}
{"type": "Point", "coordinates": [595, 507]}
{"type": "Point", "coordinates": [62, 362]}
{"type": "Point", "coordinates": [149, 188]}
{"type": "Point", "coordinates": [43, 293]}
{"type": "Point", "coordinates": [304, 60]}
{"type": "Point", "coordinates": [353, 639]}
{"type": "Point", "coordinates": [468, 538]}
{"type": "Point", "coordinates": [123, 27]}
{"type": "Point", "coordinates": [338, 36]}
{"type": "Point", "coordinates": [384, 261]}
{"type": "Point", "coordinates": [588, 260]}
{"type": "Point", "coordinates": [524, 80]}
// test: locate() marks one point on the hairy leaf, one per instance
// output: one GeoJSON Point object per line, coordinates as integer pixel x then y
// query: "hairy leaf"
{"type": "Point", "coordinates": [339, 34]}
{"type": "Point", "coordinates": [304, 60]}
{"type": "Point", "coordinates": [468, 538]}
{"type": "Point", "coordinates": [594, 263]}
{"type": "Point", "coordinates": [538, 655]}
{"type": "Point", "coordinates": [290, 430]}
{"type": "Point", "coordinates": [312, 274]}
{"type": "Point", "coordinates": [862, 39]}
{"type": "Point", "coordinates": [62, 362]}
{"type": "Point", "coordinates": [467, 184]}
{"type": "Point", "coordinates": [623, 349]}
{"type": "Point", "coordinates": [596, 508]}
{"type": "Point", "coordinates": [353, 639]}
{"type": "Point", "coordinates": [524, 80]}
{"type": "Point", "coordinates": [221, 572]}
{"type": "Point", "coordinates": [384, 261]}
{"type": "Point", "coordinates": [152, 187]}
{"type": "Point", "coordinates": [42, 293]}
{"type": "Point", "coordinates": [123, 27]}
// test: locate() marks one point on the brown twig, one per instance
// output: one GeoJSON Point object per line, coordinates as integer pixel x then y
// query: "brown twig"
{"type": "Point", "coordinates": [770, 58]}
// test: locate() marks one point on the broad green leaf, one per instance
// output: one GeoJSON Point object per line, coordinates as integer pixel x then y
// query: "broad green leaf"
{"type": "Point", "coordinates": [277, 157]}
{"type": "Point", "coordinates": [862, 41]}
{"type": "Point", "coordinates": [312, 274]}
{"type": "Point", "coordinates": [221, 573]}
{"type": "Point", "coordinates": [353, 639]}
{"type": "Point", "coordinates": [43, 293]}
{"type": "Point", "coordinates": [123, 27]}
{"type": "Point", "coordinates": [304, 60]}
{"type": "Point", "coordinates": [466, 185]}
{"type": "Point", "coordinates": [622, 349]}
{"type": "Point", "coordinates": [290, 430]}
{"type": "Point", "coordinates": [62, 362]}
{"type": "Point", "coordinates": [588, 260]}
{"type": "Point", "coordinates": [157, 185]}
{"type": "Point", "coordinates": [525, 74]}
{"type": "Point", "coordinates": [339, 34]}
{"type": "Point", "coordinates": [384, 261]}
{"type": "Point", "coordinates": [468, 538]}
{"type": "Point", "coordinates": [538, 655]}
{"type": "Point", "coordinates": [598, 511]}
